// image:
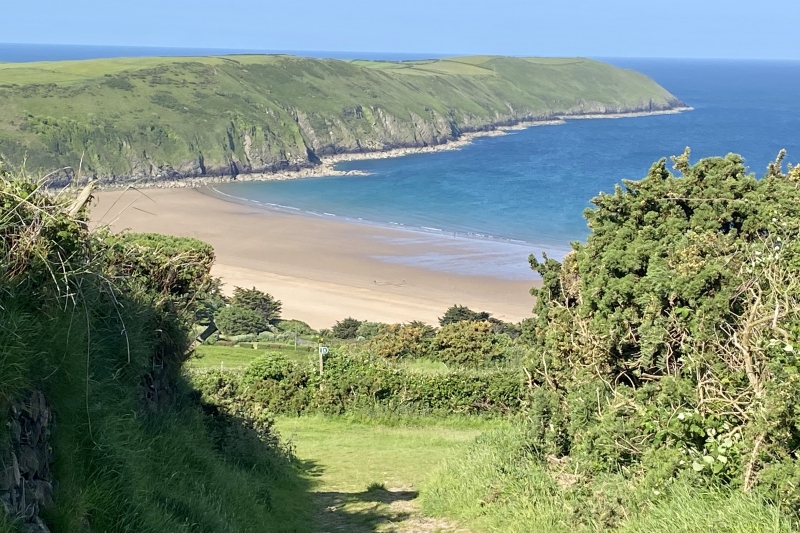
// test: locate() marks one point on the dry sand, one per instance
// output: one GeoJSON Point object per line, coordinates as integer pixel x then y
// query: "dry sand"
{"type": "Point", "coordinates": [323, 270]}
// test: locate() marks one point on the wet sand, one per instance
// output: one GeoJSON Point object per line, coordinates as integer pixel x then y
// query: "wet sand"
{"type": "Point", "coordinates": [324, 270]}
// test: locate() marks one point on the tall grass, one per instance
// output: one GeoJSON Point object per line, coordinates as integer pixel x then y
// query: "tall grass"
{"type": "Point", "coordinates": [497, 485]}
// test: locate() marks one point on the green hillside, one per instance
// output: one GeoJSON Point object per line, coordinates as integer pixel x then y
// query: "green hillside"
{"type": "Point", "coordinates": [175, 117]}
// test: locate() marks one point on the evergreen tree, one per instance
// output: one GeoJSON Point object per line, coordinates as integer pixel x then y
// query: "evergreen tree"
{"type": "Point", "coordinates": [261, 303]}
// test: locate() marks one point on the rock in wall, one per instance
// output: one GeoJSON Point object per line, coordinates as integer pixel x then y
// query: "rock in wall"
{"type": "Point", "coordinates": [26, 485]}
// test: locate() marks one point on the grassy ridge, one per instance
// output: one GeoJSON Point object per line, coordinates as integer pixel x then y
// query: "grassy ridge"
{"type": "Point", "coordinates": [171, 117]}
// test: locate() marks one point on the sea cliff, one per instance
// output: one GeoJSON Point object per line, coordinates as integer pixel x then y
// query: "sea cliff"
{"type": "Point", "coordinates": [172, 119]}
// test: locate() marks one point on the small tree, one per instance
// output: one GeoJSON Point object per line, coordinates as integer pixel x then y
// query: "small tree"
{"type": "Point", "coordinates": [259, 302]}
{"type": "Point", "coordinates": [236, 320]}
{"type": "Point", "coordinates": [347, 328]}
{"type": "Point", "coordinates": [460, 313]}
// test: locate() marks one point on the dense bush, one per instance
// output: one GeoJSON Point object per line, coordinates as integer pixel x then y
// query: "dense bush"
{"type": "Point", "coordinates": [295, 326]}
{"type": "Point", "coordinates": [368, 330]}
{"type": "Point", "coordinates": [468, 343]}
{"type": "Point", "coordinates": [261, 303]}
{"type": "Point", "coordinates": [234, 320]}
{"type": "Point", "coordinates": [403, 341]}
{"type": "Point", "coordinates": [346, 328]}
{"type": "Point", "coordinates": [350, 381]}
{"type": "Point", "coordinates": [460, 313]}
{"type": "Point", "coordinates": [666, 346]}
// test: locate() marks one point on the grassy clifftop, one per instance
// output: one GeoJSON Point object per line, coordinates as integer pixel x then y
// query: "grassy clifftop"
{"type": "Point", "coordinates": [174, 117]}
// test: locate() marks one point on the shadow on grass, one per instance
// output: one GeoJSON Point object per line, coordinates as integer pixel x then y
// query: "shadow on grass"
{"type": "Point", "coordinates": [376, 509]}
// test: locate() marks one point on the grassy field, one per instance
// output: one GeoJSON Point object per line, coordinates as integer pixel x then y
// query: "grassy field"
{"type": "Point", "coordinates": [232, 357]}
{"type": "Point", "coordinates": [366, 476]}
{"type": "Point", "coordinates": [168, 117]}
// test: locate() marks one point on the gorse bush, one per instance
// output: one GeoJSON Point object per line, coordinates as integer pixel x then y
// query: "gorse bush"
{"type": "Point", "coordinates": [468, 343]}
{"type": "Point", "coordinates": [403, 341]}
{"type": "Point", "coordinates": [666, 346]}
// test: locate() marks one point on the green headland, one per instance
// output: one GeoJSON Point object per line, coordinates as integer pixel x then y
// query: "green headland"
{"type": "Point", "coordinates": [166, 118]}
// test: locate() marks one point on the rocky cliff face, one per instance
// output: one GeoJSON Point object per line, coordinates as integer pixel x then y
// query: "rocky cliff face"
{"type": "Point", "coordinates": [319, 135]}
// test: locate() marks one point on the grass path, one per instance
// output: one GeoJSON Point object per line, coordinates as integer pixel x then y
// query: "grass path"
{"type": "Point", "coordinates": [366, 477]}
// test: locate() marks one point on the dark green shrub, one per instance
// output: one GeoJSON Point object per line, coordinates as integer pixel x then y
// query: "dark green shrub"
{"type": "Point", "coordinates": [347, 328]}
{"type": "Point", "coordinates": [460, 313]}
{"type": "Point", "coordinates": [261, 303]}
{"type": "Point", "coordinates": [666, 346]}
{"type": "Point", "coordinates": [233, 320]}
{"type": "Point", "coordinates": [368, 330]}
{"type": "Point", "coordinates": [295, 326]}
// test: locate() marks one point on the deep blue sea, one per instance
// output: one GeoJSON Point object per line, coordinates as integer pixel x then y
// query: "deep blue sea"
{"type": "Point", "coordinates": [533, 185]}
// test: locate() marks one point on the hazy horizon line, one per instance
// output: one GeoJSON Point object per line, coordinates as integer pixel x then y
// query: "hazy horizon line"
{"type": "Point", "coordinates": [210, 51]}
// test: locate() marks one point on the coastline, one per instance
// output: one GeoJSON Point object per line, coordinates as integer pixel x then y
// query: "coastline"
{"type": "Point", "coordinates": [326, 167]}
{"type": "Point", "coordinates": [326, 269]}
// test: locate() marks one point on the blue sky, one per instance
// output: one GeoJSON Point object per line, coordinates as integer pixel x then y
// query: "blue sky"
{"type": "Point", "coordinates": [762, 29]}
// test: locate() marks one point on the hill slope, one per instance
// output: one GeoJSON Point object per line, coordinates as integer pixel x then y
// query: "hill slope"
{"type": "Point", "coordinates": [176, 117]}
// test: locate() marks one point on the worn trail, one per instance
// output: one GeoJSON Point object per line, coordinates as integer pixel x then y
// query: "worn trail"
{"type": "Point", "coordinates": [366, 478]}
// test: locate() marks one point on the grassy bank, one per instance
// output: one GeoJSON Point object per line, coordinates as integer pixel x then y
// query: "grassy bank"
{"type": "Point", "coordinates": [99, 430]}
{"type": "Point", "coordinates": [170, 117]}
{"type": "Point", "coordinates": [497, 484]}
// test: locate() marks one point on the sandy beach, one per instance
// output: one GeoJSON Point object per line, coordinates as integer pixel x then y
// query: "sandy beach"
{"type": "Point", "coordinates": [324, 270]}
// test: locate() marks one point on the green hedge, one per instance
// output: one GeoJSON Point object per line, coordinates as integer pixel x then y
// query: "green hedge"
{"type": "Point", "coordinates": [355, 381]}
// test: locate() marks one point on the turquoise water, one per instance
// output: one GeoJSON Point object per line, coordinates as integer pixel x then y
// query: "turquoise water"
{"type": "Point", "coordinates": [533, 185]}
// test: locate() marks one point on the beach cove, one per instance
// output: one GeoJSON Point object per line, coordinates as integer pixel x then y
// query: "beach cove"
{"type": "Point", "coordinates": [325, 270]}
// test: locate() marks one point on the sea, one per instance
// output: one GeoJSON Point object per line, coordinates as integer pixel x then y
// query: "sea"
{"type": "Point", "coordinates": [527, 190]}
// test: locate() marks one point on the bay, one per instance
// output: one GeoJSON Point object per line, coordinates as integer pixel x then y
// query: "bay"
{"type": "Point", "coordinates": [533, 185]}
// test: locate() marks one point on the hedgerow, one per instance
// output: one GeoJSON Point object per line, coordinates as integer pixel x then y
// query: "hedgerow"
{"type": "Point", "coordinates": [353, 381]}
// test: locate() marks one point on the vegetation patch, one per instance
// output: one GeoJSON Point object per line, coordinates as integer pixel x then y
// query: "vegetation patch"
{"type": "Point", "coordinates": [663, 371]}
{"type": "Point", "coordinates": [99, 325]}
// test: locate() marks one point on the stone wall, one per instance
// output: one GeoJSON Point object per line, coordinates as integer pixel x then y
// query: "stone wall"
{"type": "Point", "coordinates": [26, 485]}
